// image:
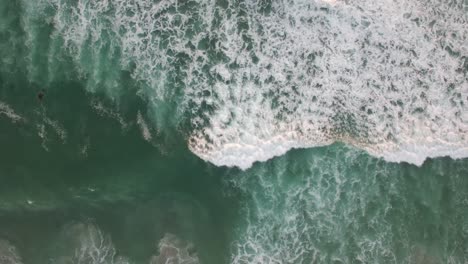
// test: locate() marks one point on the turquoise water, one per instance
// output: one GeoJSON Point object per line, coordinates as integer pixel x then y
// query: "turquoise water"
{"type": "Point", "coordinates": [233, 132]}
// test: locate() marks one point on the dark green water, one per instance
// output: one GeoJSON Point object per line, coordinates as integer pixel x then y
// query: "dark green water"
{"type": "Point", "coordinates": [124, 159]}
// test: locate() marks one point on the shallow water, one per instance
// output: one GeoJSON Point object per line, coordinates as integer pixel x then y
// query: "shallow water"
{"type": "Point", "coordinates": [233, 132]}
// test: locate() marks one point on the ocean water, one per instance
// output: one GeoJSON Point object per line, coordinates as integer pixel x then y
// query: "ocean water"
{"type": "Point", "coordinates": [230, 131]}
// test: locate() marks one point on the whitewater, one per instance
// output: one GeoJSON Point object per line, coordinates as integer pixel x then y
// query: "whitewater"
{"type": "Point", "coordinates": [257, 80]}
{"type": "Point", "coordinates": [233, 131]}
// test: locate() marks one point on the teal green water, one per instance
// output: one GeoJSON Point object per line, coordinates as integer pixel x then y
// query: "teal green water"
{"type": "Point", "coordinates": [108, 167]}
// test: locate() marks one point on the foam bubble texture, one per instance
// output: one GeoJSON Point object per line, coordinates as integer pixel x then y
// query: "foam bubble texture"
{"type": "Point", "coordinates": [388, 77]}
{"type": "Point", "coordinates": [339, 205]}
{"type": "Point", "coordinates": [256, 79]}
{"type": "Point", "coordinates": [173, 250]}
{"type": "Point", "coordinates": [85, 243]}
{"type": "Point", "coordinates": [7, 111]}
{"type": "Point", "coordinates": [8, 253]}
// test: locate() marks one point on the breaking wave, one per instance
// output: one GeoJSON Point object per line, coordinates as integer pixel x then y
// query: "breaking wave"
{"type": "Point", "coordinates": [255, 79]}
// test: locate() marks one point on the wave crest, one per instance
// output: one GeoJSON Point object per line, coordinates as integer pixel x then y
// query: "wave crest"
{"type": "Point", "coordinates": [256, 79]}
{"type": "Point", "coordinates": [387, 77]}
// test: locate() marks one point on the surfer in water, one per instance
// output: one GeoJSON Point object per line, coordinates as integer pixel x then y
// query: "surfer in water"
{"type": "Point", "coordinates": [40, 95]}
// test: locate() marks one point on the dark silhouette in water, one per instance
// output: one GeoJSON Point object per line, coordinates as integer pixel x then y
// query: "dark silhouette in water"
{"type": "Point", "coordinates": [40, 95]}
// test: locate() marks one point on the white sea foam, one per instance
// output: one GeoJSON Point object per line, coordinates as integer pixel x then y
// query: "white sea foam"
{"type": "Point", "coordinates": [42, 133]}
{"type": "Point", "coordinates": [173, 250]}
{"type": "Point", "coordinates": [108, 112]}
{"type": "Point", "coordinates": [145, 131]}
{"type": "Point", "coordinates": [339, 205]}
{"type": "Point", "coordinates": [7, 111]}
{"type": "Point", "coordinates": [259, 79]}
{"type": "Point", "coordinates": [293, 214]}
{"type": "Point", "coordinates": [56, 127]}
{"type": "Point", "coordinates": [388, 77]}
{"type": "Point", "coordinates": [85, 243]}
{"type": "Point", "coordinates": [46, 125]}
{"type": "Point", "coordinates": [8, 253]}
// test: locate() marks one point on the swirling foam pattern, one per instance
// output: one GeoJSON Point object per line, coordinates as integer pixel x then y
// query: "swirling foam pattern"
{"type": "Point", "coordinates": [388, 77]}
{"type": "Point", "coordinates": [256, 79]}
{"type": "Point", "coordinates": [338, 205]}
